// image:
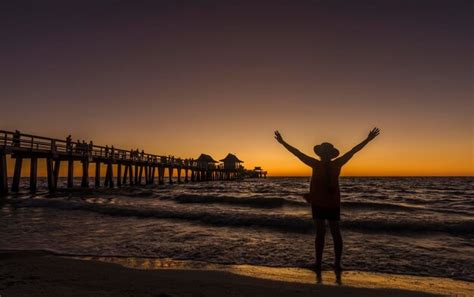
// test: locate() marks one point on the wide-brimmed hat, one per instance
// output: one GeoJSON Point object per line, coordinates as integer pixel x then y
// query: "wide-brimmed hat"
{"type": "Point", "coordinates": [326, 149]}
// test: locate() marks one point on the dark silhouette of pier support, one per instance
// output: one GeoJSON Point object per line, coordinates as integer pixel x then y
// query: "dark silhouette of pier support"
{"type": "Point", "coordinates": [109, 181]}
{"type": "Point", "coordinates": [85, 173]}
{"type": "Point", "coordinates": [147, 174]}
{"type": "Point", "coordinates": [50, 174]}
{"type": "Point", "coordinates": [126, 173]}
{"type": "Point", "coordinates": [70, 173]}
{"type": "Point", "coordinates": [97, 174]}
{"type": "Point", "coordinates": [57, 167]}
{"type": "Point", "coordinates": [130, 175]}
{"type": "Point", "coordinates": [152, 174]}
{"type": "Point", "coordinates": [33, 174]}
{"type": "Point", "coordinates": [17, 174]}
{"type": "Point", "coordinates": [119, 175]}
{"type": "Point", "coordinates": [170, 174]}
{"type": "Point", "coordinates": [3, 175]}
{"type": "Point", "coordinates": [140, 175]}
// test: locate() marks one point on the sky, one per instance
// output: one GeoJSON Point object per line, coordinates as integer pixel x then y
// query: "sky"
{"type": "Point", "coordinates": [188, 77]}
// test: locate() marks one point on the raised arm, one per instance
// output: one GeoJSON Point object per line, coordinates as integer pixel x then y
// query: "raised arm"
{"type": "Point", "coordinates": [304, 158]}
{"type": "Point", "coordinates": [347, 156]}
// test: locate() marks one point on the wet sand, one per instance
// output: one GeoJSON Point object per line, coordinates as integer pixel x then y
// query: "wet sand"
{"type": "Point", "coordinates": [38, 273]}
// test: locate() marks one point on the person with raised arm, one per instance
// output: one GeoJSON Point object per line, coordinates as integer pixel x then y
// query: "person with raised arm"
{"type": "Point", "coordinates": [324, 194]}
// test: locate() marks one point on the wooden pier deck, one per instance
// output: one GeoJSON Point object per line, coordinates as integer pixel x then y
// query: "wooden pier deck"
{"type": "Point", "coordinates": [131, 167]}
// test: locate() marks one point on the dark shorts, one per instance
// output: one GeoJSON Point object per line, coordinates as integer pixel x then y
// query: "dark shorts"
{"type": "Point", "coordinates": [326, 213]}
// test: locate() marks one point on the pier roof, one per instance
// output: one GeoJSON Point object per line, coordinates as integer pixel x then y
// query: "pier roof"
{"type": "Point", "coordinates": [206, 158]}
{"type": "Point", "coordinates": [231, 158]}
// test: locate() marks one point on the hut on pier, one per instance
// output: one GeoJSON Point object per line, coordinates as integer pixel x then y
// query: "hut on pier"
{"type": "Point", "coordinates": [231, 162]}
{"type": "Point", "coordinates": [258, 172]}
{"type": "Point", "coordinates": [205, 162]}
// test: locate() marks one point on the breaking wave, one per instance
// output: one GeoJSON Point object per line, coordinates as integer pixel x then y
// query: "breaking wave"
{"type": "Point", "coordinates": [281, 222]}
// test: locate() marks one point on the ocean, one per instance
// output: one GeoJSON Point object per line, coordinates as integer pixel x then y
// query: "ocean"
{"type": "Point", "coordinates": [403, 225]}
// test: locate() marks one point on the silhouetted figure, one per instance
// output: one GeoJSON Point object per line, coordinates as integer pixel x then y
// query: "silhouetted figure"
{"type": "Point", "coordinates": [68, 143]}
{"type": "Point", "coordinates": [78, 146]}
{"type": "Point", "coordinates": [16, 138]}
{"type": "Point", "coordinates": [324, 194]}
{"type": "Point", "coordinates": [53, 146]}
{"type": "Point", "coordinates": [85, 148]}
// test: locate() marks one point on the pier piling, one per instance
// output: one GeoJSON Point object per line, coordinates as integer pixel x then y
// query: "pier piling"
{"type": "Point", "coordinates": [17, 174]}
{"type": "Point", "coordinates": [147, 175]}
{"type": "Point", "coordinates": [119, 175]}
{"type": "Point", "coordinates": [3, 175]}
{"type": "Point", "coordinates": [57, 166]}
{"type": "Point", "coordinates": [130, 171]}
{"type": "Point", "coordinates": [170, 174]}
{"type": "Point", "coordinates": [97, 174]}
{"type": "Point", "coordinates": [153, 169]}
{"type": "Point", "coordinates": [136, 174]}
{"type": "Point", "coordinates": [140, 175]}
{"type": "Point", "coordinates": [85, 173]}
{"type": "Point", "coordinates": [33, 174]}
{"type": "Point", "coordinates": [50, 174]}
{"type": "Point", "coordinates": [161, 171]}
{"type": "Point", "coordinates": [70, 173]}
{"type": "Point", "coordinates": [110, 175]}
{"type": "Point", "coordinates": [125, 174]}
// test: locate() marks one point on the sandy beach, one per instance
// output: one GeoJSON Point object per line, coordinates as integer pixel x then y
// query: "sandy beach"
{"type": "Point", "coordinates": [41, 273]}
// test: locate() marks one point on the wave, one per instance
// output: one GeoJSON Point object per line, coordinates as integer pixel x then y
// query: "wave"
{"type": "Point", "coordinates": [249, 201]}
{"type": "Point", "coordinates": [288, 223]}
{"type": "Point", "coordinates": [256, 201]}
{"type": "Point", "coordinates": [378, 206]}
{"type": "Point", "coordinates": [274, 202]}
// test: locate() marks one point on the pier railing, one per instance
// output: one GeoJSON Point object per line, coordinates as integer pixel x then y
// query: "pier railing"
{"type": "Point", "coordinates": [37, 144]}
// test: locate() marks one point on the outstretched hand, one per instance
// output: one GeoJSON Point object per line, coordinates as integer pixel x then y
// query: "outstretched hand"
{"type": "Point", "coordinates": [278, 137]}
{"type": "Point", "coordinates": [373, 133]}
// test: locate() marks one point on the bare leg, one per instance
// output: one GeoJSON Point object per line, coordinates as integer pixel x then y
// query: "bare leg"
{"type": "Point", "coordinates": [319, 242]}
{"type": "Point", "coordinates": [337, 239]}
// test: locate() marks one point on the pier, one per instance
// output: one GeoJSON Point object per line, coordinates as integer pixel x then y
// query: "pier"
{"type": "Point", "coordinates": [132, 167]}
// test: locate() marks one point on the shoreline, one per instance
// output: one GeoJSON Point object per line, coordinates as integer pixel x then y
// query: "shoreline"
{"type": "Point", "coordinates": [43, 273]}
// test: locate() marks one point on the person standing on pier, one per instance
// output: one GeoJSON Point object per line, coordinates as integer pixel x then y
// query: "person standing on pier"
{"type": "Point", "coordinates": [324, 194]}
{"type": "Point", "coordinates": [77, 147]}
{"type": "Point", "coordinates": [85, 148]}
{"type": "Point", "coordinates": [16, 138]}
{"type": "Point", "coordinates": [112, 152]}
{"type": "Point", "coordinates": [68, 143]}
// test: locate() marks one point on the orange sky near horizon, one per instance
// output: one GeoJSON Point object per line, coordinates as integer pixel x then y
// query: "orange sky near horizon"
{"type": "Point", "coordinates": [185, 79]}
{"type": "Point", "coordinates": [378, 158]}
